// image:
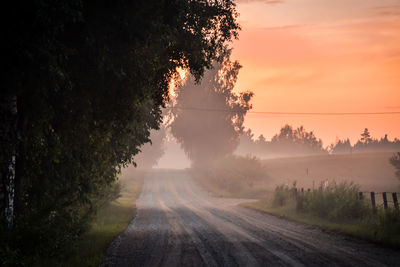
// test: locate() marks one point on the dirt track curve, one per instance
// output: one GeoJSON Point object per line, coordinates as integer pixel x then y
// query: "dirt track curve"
{"type": "Point", "coordinates": [178, 224]}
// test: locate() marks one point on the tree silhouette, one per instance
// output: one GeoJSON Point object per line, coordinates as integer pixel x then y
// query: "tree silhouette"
{"type": "Point", "coordinates": [366, 144]}
{"type": "Point", "coordinates": [209, 116]}
{"type": "Point", "coordinates": [288, 142]}
{"type": "Point", "coordinates": [342, 146]}
{"type": "Point", "coordinates": [365, 136]}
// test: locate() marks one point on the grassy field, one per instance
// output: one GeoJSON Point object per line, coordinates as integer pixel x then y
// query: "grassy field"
{"type": "Point", "coordinates": [289, 212]}
{"type": "Point", "coordinates": [249, 177]}
{"type": "Point", "coordinates": [110, 220]}
{"type": "Point", "coordinates": [372, 171]}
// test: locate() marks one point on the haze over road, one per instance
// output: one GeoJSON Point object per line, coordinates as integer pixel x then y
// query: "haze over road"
{"type": "Point", "coordinates": [178, 224]}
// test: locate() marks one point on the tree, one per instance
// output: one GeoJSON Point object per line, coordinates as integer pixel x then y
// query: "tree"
{"type": "Point", "coordinates": [261, 139]}
{"type": "Point", "coordinates": [296, 141]}
{"type": "Point", "coordinates": [83, 86]}
{"type": "Point", "coordinates": [365, 136]}
{"type": "Point", "coordinates": [342, 146]}
{"type": "Point", "coordinates": [288, 142]}
{"type": "Point", "coordinates": [246, 143]}
{"type": "Point", "coordinates": [208, 117]}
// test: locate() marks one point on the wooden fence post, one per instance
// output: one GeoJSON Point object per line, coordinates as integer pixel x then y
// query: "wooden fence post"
{"type": "Point", "coordinates": [385, 202]}
{"type": "Point", "coordinates": [360, 195]}
{"type": "Point", "coordinates": [396, 203]}
{"type": "Point", "coordinates": [373, 201]}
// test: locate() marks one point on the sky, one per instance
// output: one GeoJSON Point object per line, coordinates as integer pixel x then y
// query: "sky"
{"type": "Point", "coordinates": [321, 56]}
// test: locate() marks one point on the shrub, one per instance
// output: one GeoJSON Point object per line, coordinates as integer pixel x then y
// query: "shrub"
{"type": "Point", "coordinates": [336, 202]}
{"type": "Point", "coordinates": [283, 195]}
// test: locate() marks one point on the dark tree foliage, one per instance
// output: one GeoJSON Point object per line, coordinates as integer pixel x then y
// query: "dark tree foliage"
{"type": "Point", "coordinates": [208, 117]}
{"type": "Point", "coordinates": [83, 86]}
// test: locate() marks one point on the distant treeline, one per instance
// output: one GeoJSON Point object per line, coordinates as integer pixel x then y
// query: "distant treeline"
{"type": "Point", "coordinates": [365, 144]}
{"type": "Point", "coordinates": [298, 142]}
{"type": "Point", "coordinates": [288, 141]}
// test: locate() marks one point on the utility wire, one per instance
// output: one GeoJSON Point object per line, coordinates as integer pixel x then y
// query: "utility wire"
{"type": "Point", "coordinates": [290, 113]}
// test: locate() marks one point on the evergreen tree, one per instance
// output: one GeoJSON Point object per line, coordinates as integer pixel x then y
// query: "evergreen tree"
{"type": "Point", "coordinates": [365, 136]}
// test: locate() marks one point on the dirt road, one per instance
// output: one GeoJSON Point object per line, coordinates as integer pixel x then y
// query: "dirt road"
{"type": "Point", "coordinates": [178, 224]}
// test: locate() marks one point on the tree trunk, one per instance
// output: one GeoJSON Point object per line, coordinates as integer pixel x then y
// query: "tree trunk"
{"type": "Point", "coordinates": [8, 157]}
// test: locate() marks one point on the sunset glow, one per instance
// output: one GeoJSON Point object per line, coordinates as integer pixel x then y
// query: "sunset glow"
{"type": "Point", "coordinates": [321, 56]}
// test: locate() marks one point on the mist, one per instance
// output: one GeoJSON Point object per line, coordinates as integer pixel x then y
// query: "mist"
{"type": "Point", "coordinates": [174, 157]}
{"type": "Point", "coordinates": [208, 116]}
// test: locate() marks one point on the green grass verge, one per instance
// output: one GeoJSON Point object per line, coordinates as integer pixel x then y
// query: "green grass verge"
{"type": "Point", "coordinates": [110, 220]}
{"type": "Point", "coordinates": [362, 229]}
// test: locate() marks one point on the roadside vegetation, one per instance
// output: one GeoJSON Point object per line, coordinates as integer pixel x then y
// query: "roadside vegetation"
{"type": "Point", "coordinates": [85, 85]}
{"type": "Point", "coordinates": [233, 176]}
{"type": "Point", "coordinates": [334, 207]}
{"type": "Point", "coordinates": [111, 219]}
{"type": "Point", "coordinates": [372, 171]}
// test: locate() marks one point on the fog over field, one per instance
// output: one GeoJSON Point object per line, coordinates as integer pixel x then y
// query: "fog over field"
{"type": "Point", "coordinates": [200, 133]}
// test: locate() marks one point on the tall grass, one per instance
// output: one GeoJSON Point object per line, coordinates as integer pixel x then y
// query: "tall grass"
{"type": "Point", "coordinates": [284, 195]}
{"type": "Point", "coordinates": [336, 206]}
{"type": "Point", "coordinates": [337, 202]}
{"type": "Point", "coordinates": [385, 226]}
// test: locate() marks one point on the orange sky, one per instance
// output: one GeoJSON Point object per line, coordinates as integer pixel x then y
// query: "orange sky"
{"type": "Point", "coordinates": [321, 56]}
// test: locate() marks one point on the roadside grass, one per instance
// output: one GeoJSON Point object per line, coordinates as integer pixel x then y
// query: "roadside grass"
{"type": "Point", "coordinates": [354, 228]}
{"type": "Point", "coordinates": [335, 209]}
{"type": "Point", "coordinates": [110, 220]}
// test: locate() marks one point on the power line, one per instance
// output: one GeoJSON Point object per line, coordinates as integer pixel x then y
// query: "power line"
{"type": "Point", "coordinates": [290, 113]}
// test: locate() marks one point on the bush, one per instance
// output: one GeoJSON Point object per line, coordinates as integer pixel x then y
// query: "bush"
{"type": "Point", "coordinates": [336, 202]}
{"type": "Point", "coordinates": [283, 195]}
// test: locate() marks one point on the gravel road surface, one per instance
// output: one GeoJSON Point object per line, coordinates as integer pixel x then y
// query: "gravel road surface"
{"type": "Point", "coordinates": [178, 224]}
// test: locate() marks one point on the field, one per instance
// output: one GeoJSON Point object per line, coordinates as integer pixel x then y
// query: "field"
{"type": "Point", "coordinates": [372, 171]}
{"type": "Point", "coordinates": [249, 177]}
